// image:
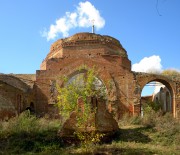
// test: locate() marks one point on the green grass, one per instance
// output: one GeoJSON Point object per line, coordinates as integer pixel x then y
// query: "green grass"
{"type": "Point", "coordinates": [26, 134]}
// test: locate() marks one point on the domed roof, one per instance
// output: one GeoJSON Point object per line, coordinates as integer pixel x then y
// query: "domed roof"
{"type": "Point", "coordinates": [92, 37]}
{"type": "Point", "coordinates": [83, 45]}
{"type": "Point", "coordinates": [85, 39]}
{"type": "Point", "coordinates": [86, 46]}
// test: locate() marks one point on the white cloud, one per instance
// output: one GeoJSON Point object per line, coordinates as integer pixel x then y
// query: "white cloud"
{"type": "Point", "coordinates": [87, 12]}
{"type": "Point", "coordinates": [82, 17]}
{"type": "Point", "coordinates": [150, 64]}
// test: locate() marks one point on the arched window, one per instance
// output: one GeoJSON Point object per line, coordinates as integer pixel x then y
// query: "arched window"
{"type": "Point", "coordinates": [89, 86]}
{"type": "Point", "coordinates": [80, 80]}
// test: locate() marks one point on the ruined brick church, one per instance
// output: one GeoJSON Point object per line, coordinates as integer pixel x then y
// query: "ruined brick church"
{"type": "Point", "coordinates": [37, 92]}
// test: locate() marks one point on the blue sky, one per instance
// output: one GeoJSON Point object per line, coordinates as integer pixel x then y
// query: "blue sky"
{"type": "Point", "coordinates": [142, 31]}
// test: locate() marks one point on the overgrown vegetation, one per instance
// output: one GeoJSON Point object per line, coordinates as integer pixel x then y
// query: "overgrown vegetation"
{"type": "Point", "coordinates": [154, 133]}
{"type": "Point", "coordinates": [165, 129]}
{"type": "Point", "coordinates": [171, 72]}
{"type": "Point", "coordinates": [84, 85]}
{"type": "Point", "coordinates": [27, 134]}
{"type": "Point", "coordinates": [76, 96]}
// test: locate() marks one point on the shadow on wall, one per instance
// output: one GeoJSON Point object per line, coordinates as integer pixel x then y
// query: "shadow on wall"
{"type": "Point", "coordinates": [41, 106]}
{"type": "Point", "coordinates": [7, 109]}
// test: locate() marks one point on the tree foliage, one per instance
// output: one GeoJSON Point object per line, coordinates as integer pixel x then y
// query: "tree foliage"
{"type": "Point", "coordinates": [171, 73]}
{"type": "Point", "coordinates": [83, 85]}
{"type": "Point", "coordinates": [75, 96]}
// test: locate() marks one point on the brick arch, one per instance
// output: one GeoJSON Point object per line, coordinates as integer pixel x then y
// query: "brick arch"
{"type": "Point", "coordinates": [15, 90]}
{"type": "Point", "coordinates": [103, 75]}
{"type": "Point", "coordinates": [14, 82]}
{"type": "Point", "coordinates": [168, 84]}
{"type": "Point", "coordinates": [144, 78]}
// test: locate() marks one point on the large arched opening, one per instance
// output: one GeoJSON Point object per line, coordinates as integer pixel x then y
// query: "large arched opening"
{"type": "Point", "coordinates": [157, 93]}
{"type": "Point", "coordinates": [79, 79]}
{"type": "Point", "coordinates": [86, 95]}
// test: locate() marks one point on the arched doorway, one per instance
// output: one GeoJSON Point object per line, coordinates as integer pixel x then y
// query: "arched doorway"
{"type": "Point", "coordinates": [158, 94]}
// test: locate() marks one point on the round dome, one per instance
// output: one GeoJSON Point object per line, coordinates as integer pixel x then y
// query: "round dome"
{"type": "Point", "coordinates": [89, 40]}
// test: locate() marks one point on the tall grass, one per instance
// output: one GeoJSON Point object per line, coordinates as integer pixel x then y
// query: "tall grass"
{"type": "Point", "coordinates": [155, 133]}
{"type": "Point", "coordinates": [27, 123]}
{"type": "Point", "coordinates": [26, 133]}
{"type": "Point", "coordinates": [164, 129]}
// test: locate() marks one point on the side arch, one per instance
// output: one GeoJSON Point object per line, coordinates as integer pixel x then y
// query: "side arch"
{"type": "Point", "coordinates": [144, 78]}
{"type": "Point", "coordinates": [15, 95]}
{"type": "Point", "coordinates": [14, 82]}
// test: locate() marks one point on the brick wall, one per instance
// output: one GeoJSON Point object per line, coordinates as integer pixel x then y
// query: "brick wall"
{"type": "Point", "coordinates": [111, 63]}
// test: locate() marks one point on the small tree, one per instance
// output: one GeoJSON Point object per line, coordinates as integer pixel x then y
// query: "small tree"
{"type": "Point", "coordinates": [82, 87]}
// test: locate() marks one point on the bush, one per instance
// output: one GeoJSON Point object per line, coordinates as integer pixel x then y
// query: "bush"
{"type": "Point", "coordinates": [151, 112]}
{"type": "Point", "coordinates": [27, 123]}
{"type": "Point", "coordinates": [127, 120]}
{"type": "Point", "coordinates": [26, 133]}
{"type": "Point", "coordinates": [164, 128]}
{"type": "Point", "coordinates": [168, 129]}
